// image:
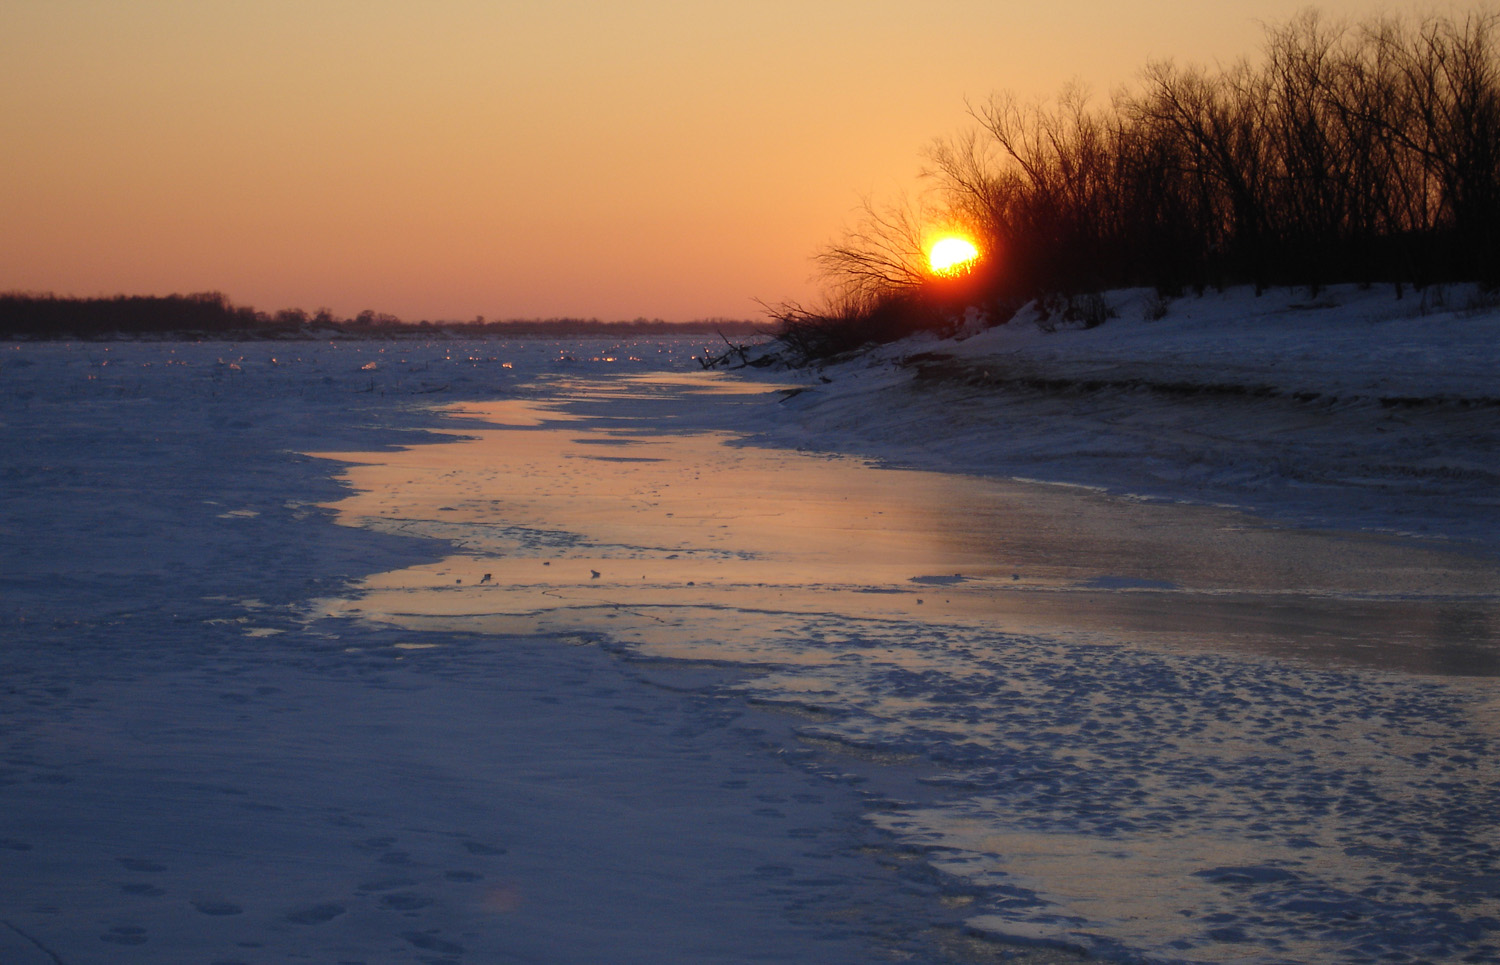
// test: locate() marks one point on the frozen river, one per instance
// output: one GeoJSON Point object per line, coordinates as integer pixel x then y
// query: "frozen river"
{"type": "Point", "coordinates": [569, 670]}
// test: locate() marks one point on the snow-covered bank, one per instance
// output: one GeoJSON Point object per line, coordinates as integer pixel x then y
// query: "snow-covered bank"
{"type": "Point", "coordinates": [1349, 409]}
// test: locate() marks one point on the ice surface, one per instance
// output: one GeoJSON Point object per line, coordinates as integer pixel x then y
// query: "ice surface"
{"type": "Point", "coordinates": [773, 728]}
{"type": "Point", "coordinates": [191, 771]}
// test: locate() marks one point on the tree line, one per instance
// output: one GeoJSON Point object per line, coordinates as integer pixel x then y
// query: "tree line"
{"type": "Point", "coordinates": [1364, 153]}
{"type": "Point", "coordinates": [212, 315]}
{"type": "Point", "coordinates": [31, 315]}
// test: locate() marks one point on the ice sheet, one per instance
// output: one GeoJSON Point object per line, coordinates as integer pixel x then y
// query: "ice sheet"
{"type": "Point", "coordinates": [192, 771]}
{"type": "Point", "coordinates": [1273, 747]}
{"type": "Point", "coordinates": [1131, 727]}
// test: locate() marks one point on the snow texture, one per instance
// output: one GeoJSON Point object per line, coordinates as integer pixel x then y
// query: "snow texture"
{"type": "Point", "coordinates": [194, 772]}
{"type": "Point", "coordinates": [1351, 408]}
{"type": "Point", "coordinates": [200, 764]}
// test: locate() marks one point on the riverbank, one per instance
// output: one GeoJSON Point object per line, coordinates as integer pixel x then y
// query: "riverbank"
{"type": "Point", "coordinates": [1348, 409]}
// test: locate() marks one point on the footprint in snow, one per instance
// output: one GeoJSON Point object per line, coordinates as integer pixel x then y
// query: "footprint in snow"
{"type": "Point", "coordinates": [405, 901]}
{"type": "Point", "coordinates": [124, 935]}
{"type": "Point", "coordinates": [315, 914]}
{"type": "Point", "coordinates": [140, 864]}
{"type": "Point", "coordinates": [218, 907]}
{"type": "Point", "coordinates": [480, 848]}
{"type": "Point", "coordinates": [141, 888]}
{"type": "Point", "coordinates": [429, 942]}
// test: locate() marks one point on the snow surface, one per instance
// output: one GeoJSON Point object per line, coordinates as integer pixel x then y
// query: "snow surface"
{"type": "Point", "coordinates": [1351, 408]}
{"type": "Point", "coordinates": [221, 744]}
{"type": "Point", "coordinates": [193, 772]}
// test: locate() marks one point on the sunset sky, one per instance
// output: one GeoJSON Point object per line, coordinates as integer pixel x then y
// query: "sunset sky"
{"type": "Point", "coordinates": [444, 160]}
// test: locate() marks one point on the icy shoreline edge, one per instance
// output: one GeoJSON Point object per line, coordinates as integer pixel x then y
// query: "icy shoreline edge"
{"type": "Point", "coordinates": [1351, 409]}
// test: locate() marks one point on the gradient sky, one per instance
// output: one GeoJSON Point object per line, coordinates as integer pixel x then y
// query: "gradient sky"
{"type": "Point", "coordinates": [444, 160]}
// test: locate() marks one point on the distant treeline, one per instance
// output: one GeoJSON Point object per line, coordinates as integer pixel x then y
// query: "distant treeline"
{"type": "Point", "coordinates": [28, 315]}
{"type": "Point", "coordinates": [1366, 153]}
{"type": "Point", "coordinates": [211, 315]}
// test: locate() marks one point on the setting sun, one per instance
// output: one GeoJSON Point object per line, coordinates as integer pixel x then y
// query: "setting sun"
{"type": "Point", "coordinates": [951, 255]}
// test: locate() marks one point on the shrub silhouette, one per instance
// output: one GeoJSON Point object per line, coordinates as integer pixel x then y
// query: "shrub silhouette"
{"type": "Point", "coordinates": [1365, 153]}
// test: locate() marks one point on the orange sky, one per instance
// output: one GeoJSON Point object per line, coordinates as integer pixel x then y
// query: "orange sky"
{"type": "Point", "coordinates": [511, 159]}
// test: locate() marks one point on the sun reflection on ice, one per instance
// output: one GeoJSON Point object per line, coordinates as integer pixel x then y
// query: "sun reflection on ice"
{"type": "Point", "coordinates": [1102, 712]}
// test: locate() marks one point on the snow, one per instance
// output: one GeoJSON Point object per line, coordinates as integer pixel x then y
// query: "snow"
{"type": "Point", "coordinates": [193, 772]}
{"type": "Point", "coordinates": [1351, 408]}
{"type": "Point", "coordinates": [732, 691]}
